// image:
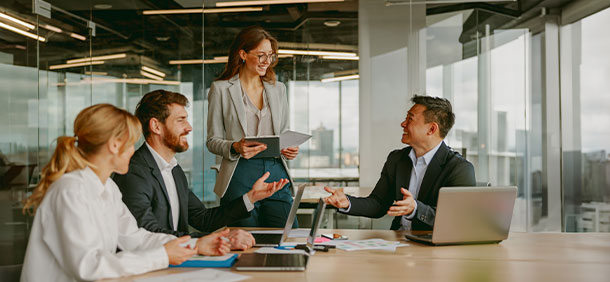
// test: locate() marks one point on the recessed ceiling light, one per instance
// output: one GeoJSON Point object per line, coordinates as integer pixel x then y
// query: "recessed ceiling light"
{"type": "Point", "coordinates": [153, 71]}
{"type": "Point", "coordinates": [332, 23]}
{"type": "Point", "coordinates": [205, 11]}
{"type": "Point", "coordinates": [341, 58]}
{"type": "Point", "coordinates": [98, 58]}
{"type": "Point", "coordinates": [22, 32]}
{"type": "Point", "coordinates": [82, 64]}
{"type": "Point", "coordinates": [102, 6]}
{"type": "Point", "coordinates": [78, 36]}
{"type": "Point", "coordinates": [269, 2]}
{"type": "Point", "coordinates": [316, 53]}
{"type": "Point", "coordinates": [52, 28]}
{"type": "Point", "coordinates": [340, 78]}
{"type": "Point", "coordinates": [17, 21]}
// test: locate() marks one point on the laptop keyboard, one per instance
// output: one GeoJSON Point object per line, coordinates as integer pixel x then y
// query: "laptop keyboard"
{"type": "Point", "coordinates": [267, 238]}
{"type": "Point", "coordinates": [283, 260]}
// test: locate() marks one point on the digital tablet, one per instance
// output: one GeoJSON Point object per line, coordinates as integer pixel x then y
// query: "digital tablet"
{"type": "Point", "coordinates": [273, 146]}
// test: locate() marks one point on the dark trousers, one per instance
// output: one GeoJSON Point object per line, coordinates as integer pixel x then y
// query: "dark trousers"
{"type": "Point", "coordinates": [270, 212]}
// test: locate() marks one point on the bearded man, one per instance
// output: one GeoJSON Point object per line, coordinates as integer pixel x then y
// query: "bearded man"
{"type": "Point", "coordinates": [155, 189]}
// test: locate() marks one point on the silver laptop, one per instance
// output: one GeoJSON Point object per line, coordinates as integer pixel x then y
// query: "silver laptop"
{"type": "Point", "coordinates": [271, 240]}
{"type": "Point", "coordinates": [470, 215]}
{"type": "Point", "coordinates": [283, 262]}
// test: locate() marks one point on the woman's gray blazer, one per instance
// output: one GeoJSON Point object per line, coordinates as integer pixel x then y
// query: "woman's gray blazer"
{"type": "Point", "coordinates": [227, 122]}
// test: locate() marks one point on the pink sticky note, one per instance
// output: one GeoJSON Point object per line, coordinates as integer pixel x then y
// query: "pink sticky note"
{"type": "Point", "coordinates": [321, 240]}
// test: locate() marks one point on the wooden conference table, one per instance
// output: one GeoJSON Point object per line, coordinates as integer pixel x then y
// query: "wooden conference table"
{"type": "Point", "coordinates": [523, 257]}
{"type": "Point", "coordinates": [313, 193]}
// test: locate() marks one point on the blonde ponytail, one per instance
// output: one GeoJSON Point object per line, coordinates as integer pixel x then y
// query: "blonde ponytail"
{"type": "Point", "coordinates": [93, 127]}
{"type": "Point", "coordinates": [67, 157]}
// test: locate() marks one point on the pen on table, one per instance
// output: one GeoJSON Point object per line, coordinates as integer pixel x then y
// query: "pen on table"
{"type": "Point", "coordinates": [284, 247]}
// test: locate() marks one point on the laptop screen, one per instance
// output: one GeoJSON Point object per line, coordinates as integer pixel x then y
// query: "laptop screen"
{"type": "Point", "coordinates": [317, 219]}
{"type": "Point", "coordinates": [293, 212]}
{"type": "Point", "coordinates": [473, 214]}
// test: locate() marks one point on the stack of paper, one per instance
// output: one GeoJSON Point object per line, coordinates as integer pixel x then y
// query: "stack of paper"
{"type": "Point", "coordinates": [269, 250]}
{"type": "Point", "coordinates": [200, 275]}
{"type": "Point", "coordinates": [292, 139]}
{"type": "Point", "coordinates": [294, 233]}
{"type": "Point", "coordinates": [370, 244]}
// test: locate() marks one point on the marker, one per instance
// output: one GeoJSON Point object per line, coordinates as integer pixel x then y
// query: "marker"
{"type": "Point", "coordinates": [225, 239]}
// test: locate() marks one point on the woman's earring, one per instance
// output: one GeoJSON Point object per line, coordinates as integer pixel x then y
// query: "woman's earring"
{"type": "Point", "coordinates": [243, 61]}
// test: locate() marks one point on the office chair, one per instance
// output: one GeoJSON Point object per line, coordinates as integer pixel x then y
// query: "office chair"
{"type": "Point", "coordinates": [10, 273]}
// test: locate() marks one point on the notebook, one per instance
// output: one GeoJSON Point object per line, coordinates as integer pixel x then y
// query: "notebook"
{"type": "Point", "coordinates": [209, 261]}
{"type": "Point", "coordinates": [470, 215]}
{"type": "Point", "coordinates": [283, 262]}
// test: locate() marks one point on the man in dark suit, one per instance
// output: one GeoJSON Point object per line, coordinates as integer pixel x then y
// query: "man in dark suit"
{"type": "Point", "coordinates": [156, 189]}
{"type": "Point", "coordinates": [412, 177]}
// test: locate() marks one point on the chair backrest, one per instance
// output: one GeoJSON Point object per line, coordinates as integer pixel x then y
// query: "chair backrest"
{"type": "Point", "coordinates": [18, 175]}
{"type": "Point", "coordinates": [10, 273]}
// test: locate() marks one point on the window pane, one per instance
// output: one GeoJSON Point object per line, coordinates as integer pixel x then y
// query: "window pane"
{"type": "Point", "coordinates": [586, 164]}
{"type": "Point", "coordinates": [482, 72]}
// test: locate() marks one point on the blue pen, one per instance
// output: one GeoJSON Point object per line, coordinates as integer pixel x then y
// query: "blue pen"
{"type": "Point", "coordinates": [284, 247]}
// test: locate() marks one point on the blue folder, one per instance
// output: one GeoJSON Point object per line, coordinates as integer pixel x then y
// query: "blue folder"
{"type": "Point", "coordinates": [205, 261]}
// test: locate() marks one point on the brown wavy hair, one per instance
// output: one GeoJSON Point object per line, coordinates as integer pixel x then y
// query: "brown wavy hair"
{"type": "Point", "coordinates": [156, 104]}
{"type": "Point", "coordinates": [93, 127]}
{"type": "Point", "coordinates": [248, 39]}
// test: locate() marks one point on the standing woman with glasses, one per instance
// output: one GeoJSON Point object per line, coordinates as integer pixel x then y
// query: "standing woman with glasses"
{"type": "Point", "coordinates": [82, 230]}
{"type": "Point", "coordinates": [247, 101]}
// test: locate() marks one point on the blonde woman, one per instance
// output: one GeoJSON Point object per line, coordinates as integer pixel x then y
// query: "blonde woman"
{"type": "Point", "coordinates": [82, 230]}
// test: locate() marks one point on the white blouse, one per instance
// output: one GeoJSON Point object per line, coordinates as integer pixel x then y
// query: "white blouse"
{"type": "Point", "coordinates": [77, 229]}
{"type": "Point", "coordinates": [258, 122]}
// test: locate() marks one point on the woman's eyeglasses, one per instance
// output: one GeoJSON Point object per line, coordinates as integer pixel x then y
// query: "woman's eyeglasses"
{"type": "Point", "coordinates": [264, 57]}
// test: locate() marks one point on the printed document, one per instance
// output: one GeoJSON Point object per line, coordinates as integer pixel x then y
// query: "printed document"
{"type": "Point", "coordinates": [292, 139]}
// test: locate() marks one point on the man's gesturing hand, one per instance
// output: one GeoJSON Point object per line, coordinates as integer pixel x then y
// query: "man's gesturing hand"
{"type": "Point", "coordinates": [337, 199]}
{"type": "Point", "coordinates": [261, 190]}
{"type": "Point", "coordinates": [404, 206]}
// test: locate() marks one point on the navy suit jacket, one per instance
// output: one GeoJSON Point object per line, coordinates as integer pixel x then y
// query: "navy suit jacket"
{"type": "Point", "coordinates": [447, 168]}
{"type": "Point", "coordinates": [145, 195]}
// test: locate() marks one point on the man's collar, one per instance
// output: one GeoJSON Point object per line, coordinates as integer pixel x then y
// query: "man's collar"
{"type": "Point", "coordinates": [161, 163]}
{"type": "Point", "coordinates": [427, 156]}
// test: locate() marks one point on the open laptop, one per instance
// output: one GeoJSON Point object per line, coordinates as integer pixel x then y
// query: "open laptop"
{"type": "Point", "coordinates": [272, 240]}
{"type": "Point", "coordinates": [283, 262]}
{"type": "Point", "coordinates": [470, 215]}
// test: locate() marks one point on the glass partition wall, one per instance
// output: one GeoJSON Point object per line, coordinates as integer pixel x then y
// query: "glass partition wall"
{"type": "Point", "coordinates": [521, 119]}
{"type": "Point", "coordinates": [498, 75]}
{"type": "Point", "coordinates": [482, 69]}
{"type": "Point", "coordinates": [318, 63]}
{"type": "Point", "coordinates": [55, 63]}
{"type": "Point", "coordinates": [585, 68]}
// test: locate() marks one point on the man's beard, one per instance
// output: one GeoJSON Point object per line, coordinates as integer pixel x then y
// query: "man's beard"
{"type": "Point", "coordinates": [173, 142]}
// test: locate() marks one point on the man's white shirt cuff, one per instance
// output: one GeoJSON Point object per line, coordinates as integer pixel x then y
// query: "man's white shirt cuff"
{"type": "Point", "coordinates": [348, 207]}
{"type": "Point", "coordinates": [249, 205]}
{"type": "Point", "coordinates": [412, 214]}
